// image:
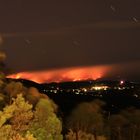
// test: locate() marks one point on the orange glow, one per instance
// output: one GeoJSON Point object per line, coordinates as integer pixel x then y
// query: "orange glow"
{"type": "Point", "coordinates": [66, 74]}
{"type": "Point", "coordinates": [18, 76]}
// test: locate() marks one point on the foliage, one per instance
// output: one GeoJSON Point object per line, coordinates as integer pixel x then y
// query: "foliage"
{"type": "Point", "coordinates": [28, 136]}
{"type": "Point", "coordinates": [15, 118]}
{"type": "Point", "coordinates": [87, 118]}
{"type": "Point", "coordinates": [125, 125]}
{"type": "Point", "coordinates": [12, 89]}
{"type": "Point", "coordinates": [46, 125]}
{"type": "Point", "coordinates": [19, 117]}
{"type": "Point", "coordinates": [2, 56]}
{"type": "Point", "coordinates": [82, 136]}
{"type": "Point", "coordinates": [26, 113]}
{"type": "Point", "coordinates": [117, 123]}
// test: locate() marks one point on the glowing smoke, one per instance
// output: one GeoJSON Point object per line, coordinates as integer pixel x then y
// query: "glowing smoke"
{"type": "Point", "coordinates": [67, 74]}
{"type": "Point", "coordinates": [123, 70]}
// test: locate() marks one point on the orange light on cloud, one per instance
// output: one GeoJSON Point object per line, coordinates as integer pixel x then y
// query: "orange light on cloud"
{"type": "Point", "coordinates": [66, 74]}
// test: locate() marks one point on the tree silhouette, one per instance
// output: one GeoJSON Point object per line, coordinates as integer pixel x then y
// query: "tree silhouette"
{"type": "Point", "coordinates": [117, 124]}
{"type": "Point", "coordinates": [15, 118]}
{"type": "Point", "coordinates": [133, 116]}
{"type": "Point", "coordinates": [87, 117]}
{"type": "Point", "coordinates": [46, 125]}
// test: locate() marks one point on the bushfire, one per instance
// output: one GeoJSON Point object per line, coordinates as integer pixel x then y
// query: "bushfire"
{"type": "Point", "coordinates": [66, 74]}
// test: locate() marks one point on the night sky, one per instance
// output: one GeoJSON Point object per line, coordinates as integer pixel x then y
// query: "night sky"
{"type": "Point", "coordinates": [54, 34]}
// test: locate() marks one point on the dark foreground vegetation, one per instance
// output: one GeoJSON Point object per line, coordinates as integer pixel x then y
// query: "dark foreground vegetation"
{"type": "Point", "coordinates": [113, 116]}
{"type": "Point", "coordinates": [27, 114]}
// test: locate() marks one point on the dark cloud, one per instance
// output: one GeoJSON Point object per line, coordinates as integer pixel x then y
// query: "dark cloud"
{"type": "Point", "coordinates": [108, 25]}
{"type": "Point", "coordinates": [75, 46]}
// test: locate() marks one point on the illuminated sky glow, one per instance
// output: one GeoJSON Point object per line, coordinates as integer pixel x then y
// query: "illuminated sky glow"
{"type": "Point", "coordinates": [68, 74]}
{"type": "Point", "coordinates": [45, 38]}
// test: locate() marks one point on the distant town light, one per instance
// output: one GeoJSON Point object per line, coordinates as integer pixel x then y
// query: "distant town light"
{"type": "Point", "coordinates": [84, 89]}
{"type": "Point", "coordinates": [99, 87]}
{"type": "Point", "coordinates": [121, 82]}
